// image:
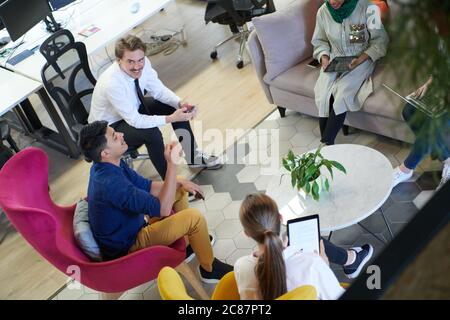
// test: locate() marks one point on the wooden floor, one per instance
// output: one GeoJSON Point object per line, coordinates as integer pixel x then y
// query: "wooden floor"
{"type": "Point", "coordinates": [228, 98]}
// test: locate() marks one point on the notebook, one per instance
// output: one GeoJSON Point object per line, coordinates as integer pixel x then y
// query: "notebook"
{"type": "Point", "coordinates": [428, 104]}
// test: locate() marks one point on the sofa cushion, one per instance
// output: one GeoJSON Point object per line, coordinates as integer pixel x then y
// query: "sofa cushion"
{"type": "Point", "coordinates": [299, 79]}
{"type": "Point", "coordinates": [285, 36]}
{"type": "Point", "coordinates": [83, 233]}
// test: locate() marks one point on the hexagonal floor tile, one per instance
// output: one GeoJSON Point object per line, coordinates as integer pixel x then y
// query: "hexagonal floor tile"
{"type": "Point", "coordinates": [406, 191]}
{"type": "Point", "coordinates": [208, 190]}
{"type": "Point", "coordinates": [302, 139]}
{"type": "Point", "coordinates": [249, 174]}
{"type": "Point", "coordinates": [224, 248]}
{"type": "Point", "coordinates": [375, 223]}
{"type": "Point", "coordinates": [429, 180]}
{"type": "Point", "coordinates": [401, 212]}
{"type": "Point", "coordinates": [218, 201]}
{"type": "Point", "coordinates": [237, 254]}
{"type": "Point", "coordinates": [228, 229]}
{"type": "Point", "coordinates": [132, 296]}
{"type": "Point", "coordinates": [286, 133]}
{"type": "Point", "coordinates": [262, 182]}
{"type": "Point", "coordinates": [422, 198]}
{"type": "Point", "coordinates": [90, 296]}
{"type": "Point", "coordinates": [244, 242]}
{"type": "Point", "coordinates": [214, 218]}
{"type": "Point", "coordinates": [289, 120]}
{"type": "Point", "coordinates": [232, 210]}
{"type": "Point", "coordinates": [306, 125]}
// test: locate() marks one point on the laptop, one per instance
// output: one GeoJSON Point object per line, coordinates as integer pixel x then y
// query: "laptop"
{"type": "Point", "coordinates": [428, 104]}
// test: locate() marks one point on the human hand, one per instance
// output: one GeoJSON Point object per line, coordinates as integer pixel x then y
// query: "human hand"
{"type": "Point", "coordinates": [324, 61]}
{"type": "Point", "coordinates": [191, 187]}
{"type": "Point", "coordinates": [419, 93]}
{"type": "Point", "coordinates": [322, 253]}
{"type": "Point", "coordinates": [355, 62]}
{"type": "Point", "coordinates": [192, 109]}
{"type": "Point", "coordinates": [173, 153]}
{"type": "Point", "coordinates": [180, 115]}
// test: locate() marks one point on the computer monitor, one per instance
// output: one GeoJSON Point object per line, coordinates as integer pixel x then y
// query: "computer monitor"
{"type": "Point", "coordinates": [19, 16]}
{"type": "Point", "coordinates": [58, 4]}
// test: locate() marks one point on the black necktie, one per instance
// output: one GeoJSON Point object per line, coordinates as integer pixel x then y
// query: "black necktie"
{"type": "Point", "coordinates": [139, 92]}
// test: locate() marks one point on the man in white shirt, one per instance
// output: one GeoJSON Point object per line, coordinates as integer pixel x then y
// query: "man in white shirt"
{"type": "Point", "coordinates": [118, 98]}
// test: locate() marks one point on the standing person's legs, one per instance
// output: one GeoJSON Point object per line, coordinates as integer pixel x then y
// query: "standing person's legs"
{"type": "Point", "coordinates": [332, 125]}
{"type": "Point", "coordinates": [182, 129]}
{"type": "Point", "coordinates": [151, 137]}
{"type": "Point", "coordinates": [164, 232]}
{"type": "Point", "coordinates": [420, 127]}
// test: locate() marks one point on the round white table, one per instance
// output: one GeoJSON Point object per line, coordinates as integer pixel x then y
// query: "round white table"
{"type": "Point", "coordinates": [352, 197]}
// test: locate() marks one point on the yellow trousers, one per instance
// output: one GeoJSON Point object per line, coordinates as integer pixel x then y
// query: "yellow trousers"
{"type": "Point", "coordinates": [184, 222]}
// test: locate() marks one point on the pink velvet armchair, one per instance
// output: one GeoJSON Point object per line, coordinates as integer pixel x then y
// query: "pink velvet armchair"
{"type": "Point", "coordinates": [48, 228]}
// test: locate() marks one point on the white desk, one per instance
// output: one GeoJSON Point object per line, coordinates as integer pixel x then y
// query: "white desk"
{"type": "Point", "coordinates": [113, 17]}
{"type": "Point", "coordinates": [15, 88]}
{"type": "Point", "coordinates": [352, 197]}
{"type": "Point", "coordinates": [14, 92]}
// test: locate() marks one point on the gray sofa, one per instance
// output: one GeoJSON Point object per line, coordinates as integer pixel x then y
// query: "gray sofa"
{"type": "Point", "coordinates": [280, 49]}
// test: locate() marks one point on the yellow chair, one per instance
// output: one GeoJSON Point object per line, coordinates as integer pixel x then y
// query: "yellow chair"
{"type": "Point", "coordinates": [171, 287]}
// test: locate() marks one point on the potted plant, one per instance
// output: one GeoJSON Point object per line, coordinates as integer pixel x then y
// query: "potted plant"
{"type": "Point", "coordinates": [305, 171]}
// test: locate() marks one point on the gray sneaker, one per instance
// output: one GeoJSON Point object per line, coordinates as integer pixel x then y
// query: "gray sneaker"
{"type": "Point", "coordinates": [202, 160]}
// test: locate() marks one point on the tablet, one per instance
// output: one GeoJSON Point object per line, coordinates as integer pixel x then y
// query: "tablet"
{"type": "Point", "coordinates": [340, 64]}
{"type": "Point", "coordinates": [304, 232]}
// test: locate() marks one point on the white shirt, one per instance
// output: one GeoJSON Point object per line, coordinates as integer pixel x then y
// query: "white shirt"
{"type": "Point", "coordinates": [301, 269]}
{"type": "Point", "coordinates": [115, 97]}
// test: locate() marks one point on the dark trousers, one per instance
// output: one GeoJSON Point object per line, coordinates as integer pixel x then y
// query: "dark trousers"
{"type": "Point", "coordinates": [430, 139]}
{"type": "Point", "coordinates": [330, 126]}
{"type": "Point", "coordinates": [334, 253]}
{"type": "Point", "coordinates": [152, 137]}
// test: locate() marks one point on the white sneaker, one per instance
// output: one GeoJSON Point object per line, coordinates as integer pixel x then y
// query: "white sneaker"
{"type": "Point", "coordinates": [399, 176]}
{"type": "Point", "coordinates": [445, 176]}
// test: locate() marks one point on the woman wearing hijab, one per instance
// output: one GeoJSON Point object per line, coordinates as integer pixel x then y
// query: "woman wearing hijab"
{"type": "Point", "coordinates": [345, 28]}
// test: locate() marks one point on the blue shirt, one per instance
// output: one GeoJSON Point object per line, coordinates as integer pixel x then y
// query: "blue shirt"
{"type": "Point", "coordinates": [118, 198]}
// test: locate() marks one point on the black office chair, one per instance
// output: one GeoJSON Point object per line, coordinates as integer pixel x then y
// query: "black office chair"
{"type": "Point", "coordinates": [69, 81]}
{"type": "Point", "coordinates": [236, 14]}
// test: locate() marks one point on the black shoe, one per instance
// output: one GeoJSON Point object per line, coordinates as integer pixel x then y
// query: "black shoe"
{"type": "Point", "coordinates": [190, 253]}
{"type": "Point", "coordinates": [363, 254]}
{"type": "Point", "coordinates": [219, 269]}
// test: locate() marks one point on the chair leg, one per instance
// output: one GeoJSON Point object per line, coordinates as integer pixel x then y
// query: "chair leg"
{"type": "Point", "coordinates": [111, 296]}
{"type": "Point", "coordinates": [13, 144]}
{"type": "Point", "coordinates": [282, 111]}
{"type": "Point", "coordinates": [345, 130]}
{"type": "Point", "coordinates": [189, 275]}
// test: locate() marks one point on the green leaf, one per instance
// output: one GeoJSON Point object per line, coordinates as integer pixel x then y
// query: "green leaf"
{"type": "Point", "coordinates": [327, 185]}
{"type": "Point", "coordinates": [293, 179]}
{"type": "Point", "coordinates": [307, 188]}
{"type": "Point", "coordinates": [330, 169]}
{"type": "Point", "coordinates": [315, 190]}
{"type": "Point", "coordinates": [338, 166]}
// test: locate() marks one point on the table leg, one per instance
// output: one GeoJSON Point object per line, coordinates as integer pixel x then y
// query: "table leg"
{"type": "Point", "coordinates": [329, 236]}
{"type": "Point", "coordinates": [387, 224]}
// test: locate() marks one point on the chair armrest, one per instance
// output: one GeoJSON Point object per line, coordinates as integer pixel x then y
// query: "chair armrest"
{"type": "Point", "coordinates": [257, 57]}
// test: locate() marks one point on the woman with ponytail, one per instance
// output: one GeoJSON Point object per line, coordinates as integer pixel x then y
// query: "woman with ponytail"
{"type": "Point", "coordinates": [274, 269]}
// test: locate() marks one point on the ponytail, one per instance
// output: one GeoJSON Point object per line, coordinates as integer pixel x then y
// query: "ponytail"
{"type": "Point", "coordinates": [271, 269]}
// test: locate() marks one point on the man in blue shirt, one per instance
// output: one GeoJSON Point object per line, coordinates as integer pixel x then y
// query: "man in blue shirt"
{"type": "Point", "coordinates": [121, 202]}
